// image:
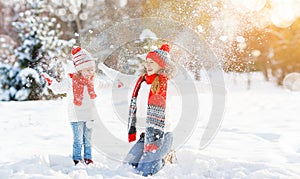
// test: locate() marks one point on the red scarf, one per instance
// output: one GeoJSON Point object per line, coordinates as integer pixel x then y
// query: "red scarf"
{"type": "Point", "coordinates": [157, 97]}
{"type": "Point", "coordinates": [78, 83]}
{"type": "Point", "coordinates": [155, 111]}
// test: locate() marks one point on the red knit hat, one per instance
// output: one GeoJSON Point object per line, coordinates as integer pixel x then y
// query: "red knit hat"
{"type": "Point", "coordinates": [161, 56]}
{"type": "Point", "coordinates": [82, 58]}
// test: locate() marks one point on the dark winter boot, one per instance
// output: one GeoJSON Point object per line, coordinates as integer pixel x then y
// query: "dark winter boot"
{"type": "Point", "coordinates": [76, 162]}
{"type": "Point", "coordinates": [88, 161]}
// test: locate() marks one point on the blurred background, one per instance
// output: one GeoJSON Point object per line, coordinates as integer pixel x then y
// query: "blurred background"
{"type": "Point", "coordinates": [246, 36]}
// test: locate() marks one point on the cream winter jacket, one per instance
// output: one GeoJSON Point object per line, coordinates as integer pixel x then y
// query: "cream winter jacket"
{"type": "Point", "coordinates": [87, 111]}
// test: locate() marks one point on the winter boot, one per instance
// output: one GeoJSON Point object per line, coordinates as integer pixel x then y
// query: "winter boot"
{"type": "Point", "coordinates": [76, 162]}
{"type": "Point", "coordinates": [88, 161]}
{"type": "Point", "coordinates": [170, 157]}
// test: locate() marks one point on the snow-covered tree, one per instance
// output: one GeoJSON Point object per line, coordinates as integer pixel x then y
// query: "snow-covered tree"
{"type": "Point", "coordinates": [39, 35]}
{"type": "Point", "coordinates": [40, 50]}
{"type": "Point", "coordinates": [6, 49]}
{"type": "Point", "coordinates": [73, 13]}
{"type": "Point", "coordinates": [8, 86]}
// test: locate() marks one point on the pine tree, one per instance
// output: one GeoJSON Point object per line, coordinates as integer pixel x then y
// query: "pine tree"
{"type": "Point", "coordinates": [39, 51]}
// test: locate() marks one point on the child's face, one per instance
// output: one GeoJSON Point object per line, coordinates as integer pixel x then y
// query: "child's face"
{"type": "Point", "coordinates": [88, 72]}
{"type": "Point", "coordinates": [152, 67]}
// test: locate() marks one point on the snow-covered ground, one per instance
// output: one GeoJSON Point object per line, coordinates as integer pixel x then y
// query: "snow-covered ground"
{"type": "Point", "coordinates": [258, 138]}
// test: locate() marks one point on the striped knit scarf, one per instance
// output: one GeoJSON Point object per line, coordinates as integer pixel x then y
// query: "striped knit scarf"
{"type": "Point", "coordinates": [155, 111]}
{"type": "Point", "coordinates": [78, 83]}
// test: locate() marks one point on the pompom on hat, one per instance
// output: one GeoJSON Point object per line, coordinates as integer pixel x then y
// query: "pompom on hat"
{"type": "Point", "coordinates": [161, 56]}
{"type": "Point", "coordinates": [82, 58]}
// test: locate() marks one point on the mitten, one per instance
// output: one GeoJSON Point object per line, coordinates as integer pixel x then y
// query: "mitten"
{"type": "Point", "coordinates": [71, 75]}
{"type": "Point", "coordinates": [132, 134]}
{"type": "Point", "coordinates": [153, 139]}
{"type": "Point", "coordinates": [120, 84]}
{"type": "Point", "coordinates": [47, 78]}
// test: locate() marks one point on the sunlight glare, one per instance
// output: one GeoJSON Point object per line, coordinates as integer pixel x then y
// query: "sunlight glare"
{"type": "Point", "coordinates": [282, 13]}
{"type": "Point", "coordinates": [249, 5]}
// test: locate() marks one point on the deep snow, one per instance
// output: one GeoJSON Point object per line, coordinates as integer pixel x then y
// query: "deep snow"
{"type": "Point", "coordinates": [258, 138]}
